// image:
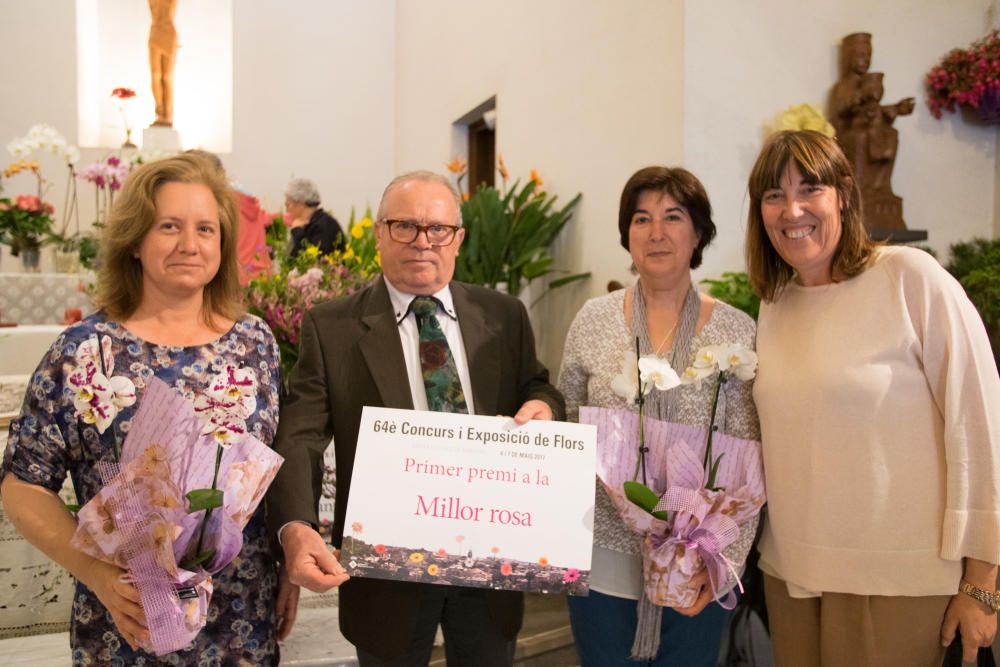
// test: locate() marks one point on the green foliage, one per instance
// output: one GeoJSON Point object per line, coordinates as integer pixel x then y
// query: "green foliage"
{"type": "Point", "coordinates": [644, 497]}
{"type": "Point", "coordinates": [507, 237]}
{"type": "Point", "coordinates": [734, 288]}
{"type": "Point", "coordinates": [976, 264]}
{"type": "Point", "coordinates": [204, 499]}
{"type": "Point", "coordinates": [24, 223]}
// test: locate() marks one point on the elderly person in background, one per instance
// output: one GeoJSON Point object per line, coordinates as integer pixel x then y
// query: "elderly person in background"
{"type": "Point", "coordinates": [879, 407]}
{"type": "Point", "coordinates": [308, 222]}
{"type": "Point", "coordinates": [665, 223]}
{"type": "Point", "coordinates": [170, 308]}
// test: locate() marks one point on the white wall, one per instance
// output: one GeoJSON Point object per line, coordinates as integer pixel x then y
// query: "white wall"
{"type": "Point", "coordinates": [748, 61]}
{"type": "Point", "coordinates": [312, 95]}
{"type": "Point", "coordinates": [313, 85]}
{"type": "Point", "coordinates": [351, 92]}
{"type": "Point", "coordinates": [587, 92]}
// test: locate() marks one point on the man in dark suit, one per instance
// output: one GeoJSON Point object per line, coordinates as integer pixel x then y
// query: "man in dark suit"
{"type": "Point", "coordinates": [365, 349]}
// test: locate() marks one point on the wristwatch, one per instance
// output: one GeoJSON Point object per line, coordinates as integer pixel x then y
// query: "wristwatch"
{"type": "Point", "coordinates": [991, 600]}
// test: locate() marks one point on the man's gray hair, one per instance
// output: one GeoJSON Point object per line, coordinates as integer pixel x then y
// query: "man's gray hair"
{"type": "Point", "coordinates": [427, 177]}
{"type": "Point", "coordinates": [303, 190]}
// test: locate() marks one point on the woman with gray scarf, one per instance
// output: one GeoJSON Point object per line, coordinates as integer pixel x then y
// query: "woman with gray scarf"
{"type": "Point", "coordinates": [665, 222]}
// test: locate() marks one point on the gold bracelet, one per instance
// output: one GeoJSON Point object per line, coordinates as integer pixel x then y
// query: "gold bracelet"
{"type": "Point", "coordinates": [990, 599]}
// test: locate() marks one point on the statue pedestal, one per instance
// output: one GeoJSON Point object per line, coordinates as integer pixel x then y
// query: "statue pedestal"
{"type": "Point", "coordinates": [161, 139]}
{"type": "Point", "coordinates": [895, 236]}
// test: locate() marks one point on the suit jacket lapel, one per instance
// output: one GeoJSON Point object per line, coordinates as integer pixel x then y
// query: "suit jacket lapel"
{"type": "Point", "coordinates": [382, 349]}
{"type": "Point", "coordinates": [481, 349]}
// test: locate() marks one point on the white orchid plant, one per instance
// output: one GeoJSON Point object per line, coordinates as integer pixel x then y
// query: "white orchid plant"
{"type": "Point", "coordinates": [728, 360]}
{"type": "Point", "coordinates": [639, 376]}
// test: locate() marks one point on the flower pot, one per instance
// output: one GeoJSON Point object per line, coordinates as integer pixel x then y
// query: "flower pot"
{"type": "Point", "coordinates": [29, 259]}
{"type": "Point", "coordinates": [65, 261]}
{"type": "Point", "coordinates": [989, 105]}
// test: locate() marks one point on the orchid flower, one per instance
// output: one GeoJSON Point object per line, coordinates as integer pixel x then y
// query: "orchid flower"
{"type": "Point", "coordinates": [728, 360]}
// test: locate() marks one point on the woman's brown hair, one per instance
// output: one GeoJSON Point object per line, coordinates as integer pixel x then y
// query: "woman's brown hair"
{"type": "Point", "coordinates": [820, 161]}
{"type": "Point", "coordinates": [119, 278]}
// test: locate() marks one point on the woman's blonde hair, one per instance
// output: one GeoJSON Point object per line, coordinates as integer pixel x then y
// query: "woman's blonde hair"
{"type": "Point", "coordinates": [119, 278]}
{"type": "Point", "coordinates": [820, 161]}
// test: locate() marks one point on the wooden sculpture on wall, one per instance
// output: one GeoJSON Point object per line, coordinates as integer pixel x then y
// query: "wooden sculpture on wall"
{"type": "Point", "coordinates": [162, 54]}
{"type": "Point", "coordinates": [865, 132]}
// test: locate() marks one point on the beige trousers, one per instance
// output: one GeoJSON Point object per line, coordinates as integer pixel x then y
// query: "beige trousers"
{"type": "Point", "coordinates": [841, 630]}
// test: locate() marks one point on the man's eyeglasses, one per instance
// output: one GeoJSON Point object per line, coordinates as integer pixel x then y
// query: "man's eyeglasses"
{"type": "Point", "coordinates": [407, 231]}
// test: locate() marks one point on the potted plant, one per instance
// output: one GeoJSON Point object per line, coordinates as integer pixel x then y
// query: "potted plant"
{"type": "Point", "coordinates": [967, 76]}
{"type": "Point", "coordinates": [508, 234]}
{"type": "Point", "coordinates": [28, 218]}
{"type": "Point", "coordinates": [734, 288]}
{"type": "Point", "coordinates": [25, 222]}
{"type": "Point", "coordinates": [976, 264]}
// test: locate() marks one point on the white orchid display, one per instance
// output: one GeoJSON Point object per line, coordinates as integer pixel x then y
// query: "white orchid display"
{"type": "Point", "coordinates": [733, 358]}
{"type": "Point", "coordinates": [649, 371]}
{"type": "Point", "coordinates": [728, 360]}
{"type": "Point", "coordinates": [638, 377]}
{"type": "Point", "coordinates": [44, 138]}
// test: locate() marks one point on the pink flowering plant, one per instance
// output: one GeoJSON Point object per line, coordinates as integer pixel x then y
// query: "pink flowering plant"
{"type": "Point", "coordinates": [296, 285]}
{"type": "Point", "coordinates": [967, 76]}
{"type": "Point", "coordinates": [25, 222]}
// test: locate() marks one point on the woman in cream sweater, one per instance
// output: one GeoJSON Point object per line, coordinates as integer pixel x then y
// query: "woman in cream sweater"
{"type": "Point", "coordinates": [879, 407]}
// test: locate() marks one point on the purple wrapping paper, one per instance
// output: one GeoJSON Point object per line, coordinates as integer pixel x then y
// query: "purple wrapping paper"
{"type": "Point", "coordinates": [140, 522]}
{"type": "Point", "coordinates": [701, 523]}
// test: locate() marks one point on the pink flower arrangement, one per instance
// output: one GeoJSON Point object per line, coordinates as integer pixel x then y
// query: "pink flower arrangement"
{"type": "Point", "coordinates": [109, 173]}
{"type": "Point", "coordinates": [282, 298]}
{"type": "Point", "coordinates": [966, 76]}
{"type": "Point", "coordinates": [33, 204]}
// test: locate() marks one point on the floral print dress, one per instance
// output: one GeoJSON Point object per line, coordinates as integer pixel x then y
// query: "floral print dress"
{"type": "Point", "coordinates": [63, 429]}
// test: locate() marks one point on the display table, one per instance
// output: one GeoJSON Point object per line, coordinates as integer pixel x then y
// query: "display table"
{"type": "Point", "coordinates": [42, 298]}
{"type": "Point", "coordinates": [23, 346]}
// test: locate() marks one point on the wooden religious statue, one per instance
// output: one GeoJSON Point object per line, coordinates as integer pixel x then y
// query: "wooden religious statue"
{"type": "Point", "coordinates": [162, 54]}
{"type": "Point", "coordinates": [865, 132]}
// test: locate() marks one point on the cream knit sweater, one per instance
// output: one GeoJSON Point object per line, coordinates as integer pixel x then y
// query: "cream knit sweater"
{"type": "Point", "coordinates": [879, 406]}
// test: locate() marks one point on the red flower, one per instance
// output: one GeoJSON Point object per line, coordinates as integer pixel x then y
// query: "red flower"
{"type": "Point", "coordinates": [123, 93]}
{"type": "Point", "coordinates": [441, 553]}
{"type": "Point", "coordinates": [380, 549]}
{"type": "Point", "coordinates": [32, 203]}
{"type": "Point", "coordinates": [506, 569]}
{"type": "Point", "coordinates": [433, 354]}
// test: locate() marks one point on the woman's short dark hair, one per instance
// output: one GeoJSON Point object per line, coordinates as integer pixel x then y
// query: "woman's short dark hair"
{"type": "Point", "coordinates": [684, 187]}
{"type": "Point", "coordinates": [821, 161]}
{"type": "Point", "coordinates": [119, 278]}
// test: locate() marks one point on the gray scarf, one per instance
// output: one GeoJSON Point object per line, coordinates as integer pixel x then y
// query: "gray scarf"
{"type": "Point", "coordinates": [659, 406]}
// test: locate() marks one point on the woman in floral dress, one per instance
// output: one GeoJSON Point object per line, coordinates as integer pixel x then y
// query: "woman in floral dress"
{"type": "Point", "coordinates": [169, 308]}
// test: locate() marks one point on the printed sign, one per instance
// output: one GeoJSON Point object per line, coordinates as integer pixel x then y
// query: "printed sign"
{"type": "Point", "coordinates": [471, 501]}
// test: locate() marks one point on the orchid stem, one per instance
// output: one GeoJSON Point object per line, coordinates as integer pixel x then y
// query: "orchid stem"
{"type": "Point", "coordinates": [641, 460]}
{"type": "Point", "coordinates": [711, 430]}
{"type": "Point", "coordinates": [208, 512]}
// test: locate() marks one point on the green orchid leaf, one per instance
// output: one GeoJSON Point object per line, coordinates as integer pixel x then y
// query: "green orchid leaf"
{"type": "Point", "coordinates": [204, 499]}
{"type": "Point", "coordinates": [713, 472]}
{"type": "Point", "coordinates": [192, 562]}
{"type": "Point", "coordinates": [644, 497]}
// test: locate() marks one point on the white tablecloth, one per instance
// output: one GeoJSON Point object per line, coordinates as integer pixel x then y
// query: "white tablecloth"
{"type": "Point", "coordinates": [22, 347]}
{"type": "Point", "coordinates": [42, 298]}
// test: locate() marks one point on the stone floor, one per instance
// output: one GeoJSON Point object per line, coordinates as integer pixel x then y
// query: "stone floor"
{"type": "Point", "coordinates": [545, 640]}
